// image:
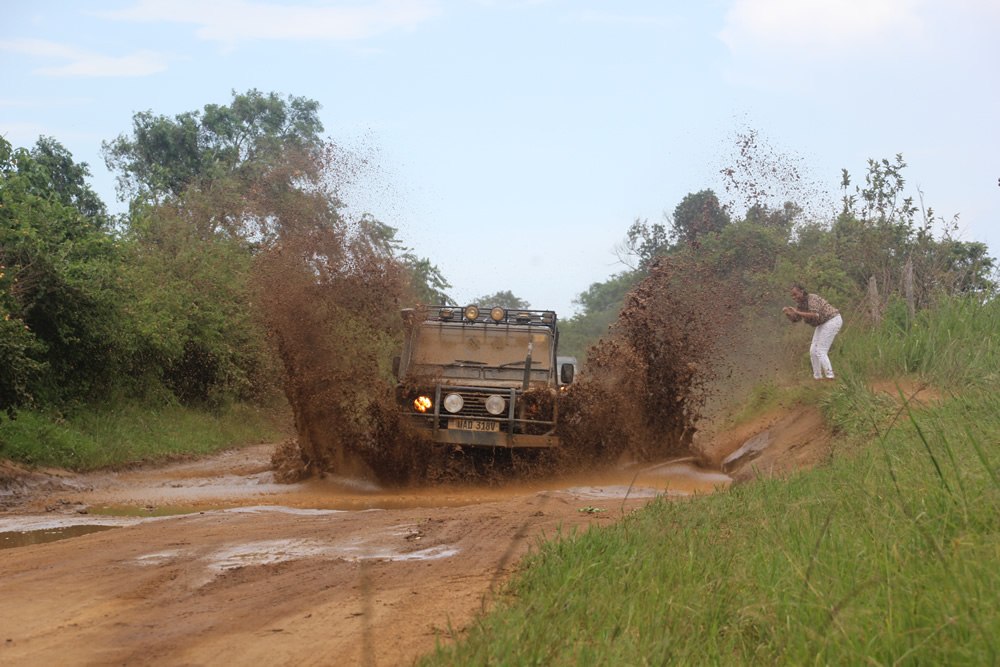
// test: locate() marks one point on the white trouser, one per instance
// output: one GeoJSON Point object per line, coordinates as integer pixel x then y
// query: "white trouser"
{"type": "Point", "coordinates": [822, 340]}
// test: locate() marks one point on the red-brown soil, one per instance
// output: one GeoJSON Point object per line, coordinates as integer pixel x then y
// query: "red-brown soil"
{"type": "Point", "coordinates": [302, 574]}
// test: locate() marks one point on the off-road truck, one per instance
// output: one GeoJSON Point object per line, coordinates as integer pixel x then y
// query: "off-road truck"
{"type": "Point", "coordinates": [481, 378]}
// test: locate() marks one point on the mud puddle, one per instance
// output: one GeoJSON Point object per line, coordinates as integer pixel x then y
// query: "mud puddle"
{"type": "Point", "coordinates": [236, 483]}
{"type": "Point", "coordinates": [335, 493]}
{"type": "Point", "coordinates": [25, 538]}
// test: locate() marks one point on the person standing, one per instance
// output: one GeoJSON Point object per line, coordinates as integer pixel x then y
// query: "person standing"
{"type": "Point", "coordinates": [816, 312]}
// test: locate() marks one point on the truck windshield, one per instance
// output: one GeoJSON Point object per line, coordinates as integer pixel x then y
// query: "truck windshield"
{"type": "Point", "coordinates": [493, 346]}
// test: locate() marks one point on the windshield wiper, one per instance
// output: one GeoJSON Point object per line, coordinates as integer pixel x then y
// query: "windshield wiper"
{"type": "Point", "coordinates": [467, 362]}
{"type": "Point", "coordinates": [514, 364]}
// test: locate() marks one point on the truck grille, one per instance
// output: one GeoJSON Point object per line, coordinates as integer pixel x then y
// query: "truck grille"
{"type": "Point", "coordinates": [475, 403]}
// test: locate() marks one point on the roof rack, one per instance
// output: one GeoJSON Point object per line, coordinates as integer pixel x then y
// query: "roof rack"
{"type": "Point", "coordinates": [473, 314]}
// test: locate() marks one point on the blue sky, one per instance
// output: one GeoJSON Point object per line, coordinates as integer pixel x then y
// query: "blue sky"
{"type": "Point", "coordinates": [513, 142]}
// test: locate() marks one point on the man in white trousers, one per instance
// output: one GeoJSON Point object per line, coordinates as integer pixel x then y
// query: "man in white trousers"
{"type": "Point", "coordinates": [816, 312]}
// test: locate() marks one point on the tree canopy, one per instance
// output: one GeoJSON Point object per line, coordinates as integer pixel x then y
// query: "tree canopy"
{"type": "Point", "coordinates": [164, 156]}
{"type": "Point", "coordinates": [60, 278]}
{"type": "Point", "coordinates": [860, 255]}
{"type": "Point", "coordinates": [696, 215]}
{"type": "Point", "coordinates": [503, 299]}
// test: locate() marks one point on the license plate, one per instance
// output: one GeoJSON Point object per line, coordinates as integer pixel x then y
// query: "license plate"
{"type": "Point", "coordinates": [473, 425]}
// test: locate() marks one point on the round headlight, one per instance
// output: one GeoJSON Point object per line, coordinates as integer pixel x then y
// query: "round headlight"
{"type": "Point", "coordinates": [422, 403]}
{"type": "Point", "coordinates": [497, 314]}
{"type": "Point", "coordinates": [471, 312]}
{"type": "Point", "coordinates": [495, 405]}
{"type": "Point", "coordinates": [453, 403]}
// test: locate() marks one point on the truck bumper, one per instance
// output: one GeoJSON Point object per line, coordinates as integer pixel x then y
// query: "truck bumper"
{"type": "Point", "coordinates": [485, 439]}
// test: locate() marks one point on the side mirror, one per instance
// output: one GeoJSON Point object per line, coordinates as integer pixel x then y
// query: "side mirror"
{"type": "Point", "coordinates": [395, 367]}
{"type": "Point", "coordinates": [566, 373]}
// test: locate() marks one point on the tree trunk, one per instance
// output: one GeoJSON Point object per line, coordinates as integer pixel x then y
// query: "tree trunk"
{"type": "Point", "coordinates": [908, 288]}
{"type": "Point", "coordinates": [873, 301]}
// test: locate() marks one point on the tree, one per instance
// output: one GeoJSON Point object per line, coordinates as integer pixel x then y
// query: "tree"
{"type": "Point", "coordinates": [427, 283]}
{"type": "Point", "coordinates": [695, 216]}
{"type": "Point", "coordinates": [61, 294]}
{"type": "Point", "coordinates": [643, 243]}
{"type": "Point", "coordinates": [67, 180]}
{"type": "Point", "coordinates": [425, 280]}
{"type": "Point", "coordinates": [256, 132]}
{"type": "Point", "coordinates": [698, 214]}
{"type": "Point", "coordinates": [782, 220]}
{"type": "Point", "coordinates": [599, 304]}
{"type": "Point", "coordinates": [504, 299]}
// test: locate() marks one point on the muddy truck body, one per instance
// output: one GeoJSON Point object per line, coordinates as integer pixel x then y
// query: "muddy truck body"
{"type": "Point", "coordinates": [481, 378]}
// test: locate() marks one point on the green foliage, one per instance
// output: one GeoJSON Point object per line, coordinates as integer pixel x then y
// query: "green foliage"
{"type": "Point", "coordinates": [427, 282]}
{"type": "Point", "coordinates": [955, 345]}
{"type": "Point", "coordinates": [62, 279]}
{"type": "Point", "coordinates": [643, 244]}
{"type": "Point", "coordinates": [166, 156]}
{"type": "Point", "coordinates": [875, 241]}
{"type": "Point", "coordinates": [696, 218]}
{"type": "Point", "coordinates": [67, 180]}
{"type": "Point", "coordinates": [19, 365]}
{"type": "Point", "coordinates": [878, 232]}
{"type": "Point", "coordinates": [504, 299]}
{"type": "Point", "coordinates": [193, 327]}
{"type": "Point", "coordinates": [600, 305]}
{"type": "Point", "coordinates": [124, 432]}
{"type": "Point", "coordinates": [698, 215]}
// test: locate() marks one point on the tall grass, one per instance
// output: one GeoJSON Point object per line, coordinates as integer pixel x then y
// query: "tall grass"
{"type": "Point", "coordinates": [887, 556]}
{"type": "Point", "coordinates": [106, 436]}
{"type": "Point", "coordinates": [956, 345]}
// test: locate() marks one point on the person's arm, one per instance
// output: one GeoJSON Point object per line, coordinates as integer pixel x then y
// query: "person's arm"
{"type": "Point", "coordinates": [807, 315]}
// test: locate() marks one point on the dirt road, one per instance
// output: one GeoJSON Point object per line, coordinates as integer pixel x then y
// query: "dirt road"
{"type": "Point", "coordinates": [210, 561]}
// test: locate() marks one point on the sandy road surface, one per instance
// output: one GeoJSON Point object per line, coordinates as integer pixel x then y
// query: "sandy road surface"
{"type": "Point", "coordinates": [325, 572]}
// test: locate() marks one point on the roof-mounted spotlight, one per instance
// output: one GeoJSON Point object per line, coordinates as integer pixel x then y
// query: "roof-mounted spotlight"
{"type": "Point", "coordinates": [498, 314]}
{"type": "Point", "coordinates": [472, 313]}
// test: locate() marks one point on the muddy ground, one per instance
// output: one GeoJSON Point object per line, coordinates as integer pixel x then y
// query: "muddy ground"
{"type": "Point", "coordinates": [209, 561]}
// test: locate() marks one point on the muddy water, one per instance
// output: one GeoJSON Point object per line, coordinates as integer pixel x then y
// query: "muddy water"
{"type": "Point", "coordinates": [334, 492]}
{"type": "Point", "coordinates": [107, 501]}
{"type": "Point", "coordinates": [23, 538]}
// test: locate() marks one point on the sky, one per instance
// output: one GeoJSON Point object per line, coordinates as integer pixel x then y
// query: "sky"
{"type": "Point", "coordinates": [513, 142]}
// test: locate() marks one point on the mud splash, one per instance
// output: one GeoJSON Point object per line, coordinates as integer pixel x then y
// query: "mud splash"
{"type": "Point", "coordinates": [329, 294]}
{"type": "Point", "coordinates": [645, 384]}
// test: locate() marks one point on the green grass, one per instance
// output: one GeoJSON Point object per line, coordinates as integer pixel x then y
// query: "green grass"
{"type": "Point", "coordinates": [888, 555]}
{"type": "Point", "coordinates": [104, 436]}
{"type": "Point", "coordinates": [957, 346]}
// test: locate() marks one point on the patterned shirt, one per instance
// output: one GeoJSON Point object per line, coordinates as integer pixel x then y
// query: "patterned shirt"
{"type": "Point", "coordinates": [815, 304]}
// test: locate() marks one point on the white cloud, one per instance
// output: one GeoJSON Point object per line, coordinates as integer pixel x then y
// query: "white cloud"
{"type": "Point", "coordinates": [87, 63]}
{"type": "Point", "coordinates": [818, 29]}
{"type": "Point", "coordinates": [818, 45]}
{"type": "Point", "coordinates": [231, 21]}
